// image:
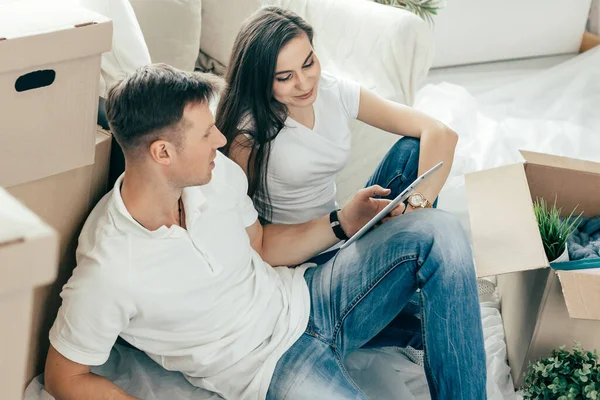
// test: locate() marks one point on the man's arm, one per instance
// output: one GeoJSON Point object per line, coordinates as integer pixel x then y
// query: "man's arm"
{"type": "Point", "coordinates": [280, 244]}
{"type": "Point", "coordinates": [66, 380]}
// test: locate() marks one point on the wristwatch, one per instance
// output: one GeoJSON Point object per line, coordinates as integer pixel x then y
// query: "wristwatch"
{"type": "Point", "coordinates": [334, 222]}
{"type": "Point", "coordinates": [417, 200]}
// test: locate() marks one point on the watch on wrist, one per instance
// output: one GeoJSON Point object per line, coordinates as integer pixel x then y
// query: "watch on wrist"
{"type": "Point", "coordinates": [417, 200]}
{"type": "Point", "coordinates": [334, 222]}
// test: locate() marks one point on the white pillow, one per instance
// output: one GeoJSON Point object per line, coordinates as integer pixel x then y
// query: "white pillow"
{"type": "Point", "coordinates": [222, 22]}
{"type": "Point", "coordinates": [171, 29]}
{"type": "Point", "coordinates": [476, 31]}
{"type": "Point", "coordinates": [129, 50]}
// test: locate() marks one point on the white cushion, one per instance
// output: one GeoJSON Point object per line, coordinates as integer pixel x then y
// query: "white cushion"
{"type": "Point", "coordinates": [222, 22]}
{"type": "Point", "coordinates": [171, 29]}
{"type": "Point", "coordinates": [475, 31]}
{"type": "Point", "coordinates": [129, 51]}
{"type": "Point", "coordinates": [594, 21]}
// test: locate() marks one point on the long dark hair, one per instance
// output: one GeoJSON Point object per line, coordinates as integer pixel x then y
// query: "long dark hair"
{"type": "Point", "coordinates": [247, 105]}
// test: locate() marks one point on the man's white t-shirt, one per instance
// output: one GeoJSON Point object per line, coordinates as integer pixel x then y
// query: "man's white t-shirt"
{"type": "Point", "coordinates": [304, 162]}
{"type": "Point", "coordinates": [200, 301]}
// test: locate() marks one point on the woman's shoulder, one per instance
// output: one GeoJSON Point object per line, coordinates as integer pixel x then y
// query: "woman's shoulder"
{"type": "Point", "coordinates": [334, 89]}
{"type": "Point", "coordinates": [339, 85]}
{"type": "Point", "coordinates": [328, 80]}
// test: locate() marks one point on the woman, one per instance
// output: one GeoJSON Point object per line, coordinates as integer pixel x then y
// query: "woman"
{"type": "Point", "coordinates": [287, 124]}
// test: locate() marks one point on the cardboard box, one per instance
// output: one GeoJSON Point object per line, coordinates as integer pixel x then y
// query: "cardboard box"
{"type": "Point", "coordinates": [542, 308]}
{"type": "Point", "coordinates": [589, 41]}
{"type": "Point", "coordinates": [49, 79]}
{"type": "Point", "coordinates": [28, 258]}
{"type": "Point", "coordinates": [63, 201]}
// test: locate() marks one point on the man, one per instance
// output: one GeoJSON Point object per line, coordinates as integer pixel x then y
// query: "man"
{"type": "Point", "coordinates": [175, 262]}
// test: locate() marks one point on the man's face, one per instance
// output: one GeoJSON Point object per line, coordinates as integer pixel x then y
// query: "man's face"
{"type": "Point", "coordinates": [195, 159]}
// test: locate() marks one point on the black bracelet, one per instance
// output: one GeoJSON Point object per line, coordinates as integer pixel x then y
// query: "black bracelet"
{"type": "Point", "coordinates": [336, 226]}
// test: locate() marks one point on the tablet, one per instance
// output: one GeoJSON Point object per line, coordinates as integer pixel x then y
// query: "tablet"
{"type": "Point", "coordinates": [383, 213]}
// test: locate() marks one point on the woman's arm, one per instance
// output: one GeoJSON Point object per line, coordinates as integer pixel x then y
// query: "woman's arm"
{"type": "Point", "coordinates": [239, 151]}
{"type": "Point", "coordinates": [292, 244]}
{"type": "Point", "coordinates": [437, 140]}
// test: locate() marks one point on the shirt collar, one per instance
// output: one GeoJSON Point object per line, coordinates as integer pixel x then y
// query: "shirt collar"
{"type": "Point", "coordinates": [192, 198]}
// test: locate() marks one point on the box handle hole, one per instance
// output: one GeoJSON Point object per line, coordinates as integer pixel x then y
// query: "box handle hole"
{"type": "Point", "coordinates": [35, 80]}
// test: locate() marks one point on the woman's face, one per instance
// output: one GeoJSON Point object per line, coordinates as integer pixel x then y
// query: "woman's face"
{"type": "Point", "coordinates": [297, 74]}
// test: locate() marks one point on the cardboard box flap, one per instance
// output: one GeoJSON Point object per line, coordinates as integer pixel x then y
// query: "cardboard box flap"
{"type": "Point", "coordinates": [581, 290]}
{"type": "Point", "coordinates": [9, 233]}
{"type": "Point", "coordinates": [560, 162]}
{"type": "Point", "coordinates": [16, 222]}
{"type": "Point", "coordinates": [503, 226]}
{"type": "Point", "coordinates": [28, 247]}
{"type": "Point", "coordinates": [41, 33]}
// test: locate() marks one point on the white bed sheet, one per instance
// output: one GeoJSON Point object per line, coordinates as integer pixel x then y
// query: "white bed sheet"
{"type": "Point", "coordinates": [551, 110]}
{"type": "Point", "coordinates": [382, 373]}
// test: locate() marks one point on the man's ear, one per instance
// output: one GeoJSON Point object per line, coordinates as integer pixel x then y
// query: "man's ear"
{"type": "Point", "coordinates": [162, 152]}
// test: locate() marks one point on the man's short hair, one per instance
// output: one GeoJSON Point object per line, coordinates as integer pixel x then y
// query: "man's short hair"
{"type": "Point", "coordinates": [148, 104]}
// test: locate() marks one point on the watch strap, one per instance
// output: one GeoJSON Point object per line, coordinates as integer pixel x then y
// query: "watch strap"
{"type": "Point", "coordinates": [334, 222]}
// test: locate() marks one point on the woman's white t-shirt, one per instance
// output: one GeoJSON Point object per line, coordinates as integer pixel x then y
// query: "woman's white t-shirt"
{"type": "Point", "coordinates": [304, 162]}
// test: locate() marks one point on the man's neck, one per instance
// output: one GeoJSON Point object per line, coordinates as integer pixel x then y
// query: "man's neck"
{"type": "Point", "coordinates": [151, 201]}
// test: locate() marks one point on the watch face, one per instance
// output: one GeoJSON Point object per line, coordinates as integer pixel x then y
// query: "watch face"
{"type": "Point", "coordinates": [415, 200]}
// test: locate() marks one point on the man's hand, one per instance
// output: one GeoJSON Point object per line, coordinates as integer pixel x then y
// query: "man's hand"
{"type": "Point", "coordinates": [363, 207]}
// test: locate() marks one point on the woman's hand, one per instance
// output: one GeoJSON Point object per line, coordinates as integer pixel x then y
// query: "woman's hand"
{"type": "Point", "coordinates": [363, 207]}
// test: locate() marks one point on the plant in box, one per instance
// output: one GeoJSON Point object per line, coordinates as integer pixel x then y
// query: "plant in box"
{"type": "Point", "coordinates": [554, 230]}
{"type": "Point", "coordinates": [563, 376]}
{"type": "Point", "coordinates": [426, 9]}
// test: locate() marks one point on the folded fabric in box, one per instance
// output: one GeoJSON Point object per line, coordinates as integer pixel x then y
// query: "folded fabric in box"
{"type": "Point", "coordinates": [585, 241]}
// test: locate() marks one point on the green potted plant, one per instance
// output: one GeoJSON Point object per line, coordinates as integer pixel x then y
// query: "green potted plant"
{"type": "Point", "coordinates": [554, 230]}
{"type": "Point", "coordinates": [564, 375]}
{"type": "Point", "coordinates": [425, 9]}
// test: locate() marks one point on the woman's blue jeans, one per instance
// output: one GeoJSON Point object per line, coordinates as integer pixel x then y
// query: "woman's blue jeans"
{"type": "Point", "coordinates": [361, 297]}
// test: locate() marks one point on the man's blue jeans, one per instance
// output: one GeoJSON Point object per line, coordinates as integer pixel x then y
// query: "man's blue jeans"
{"type": "Point", "coordinates": [360, 296]}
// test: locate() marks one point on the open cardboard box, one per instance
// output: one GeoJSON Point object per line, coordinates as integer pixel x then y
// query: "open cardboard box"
{"type": "Point", "coordinates": [542, 307]}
